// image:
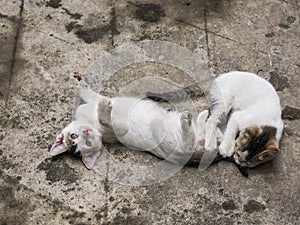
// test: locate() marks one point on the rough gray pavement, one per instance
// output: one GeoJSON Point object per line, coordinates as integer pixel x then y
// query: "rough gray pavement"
{"type": "Point", "coordinates": [43, 41]}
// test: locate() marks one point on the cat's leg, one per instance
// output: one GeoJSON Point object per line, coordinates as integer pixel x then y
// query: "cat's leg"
{"type": "Point", "coordinates": [226, 147]}
{"type": "Point", "coordinates": [211, 127]}
{"type": "Point", "coordinates": [220, 135]}
{"type": "Point", "coordinates": [104, 112]}
{"type": "Point", "coordinates": [84, 91]}
{"type": "Point", "coordinates": [187, 132]}
{"type": "Point", "coordinates": [200, 124]}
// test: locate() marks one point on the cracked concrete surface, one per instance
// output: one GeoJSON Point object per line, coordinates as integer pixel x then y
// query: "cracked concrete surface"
{"type": "Point", "coordinates": [43, 41]}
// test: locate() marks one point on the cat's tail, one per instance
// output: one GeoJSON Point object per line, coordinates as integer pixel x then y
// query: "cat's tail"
{"type": "Point", "coordinates": [189, 92]}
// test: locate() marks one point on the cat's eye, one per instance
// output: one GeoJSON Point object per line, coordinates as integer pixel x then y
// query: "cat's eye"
{"type": "Point", "coordinates": [88, 143]}
{"type": "Point", "coordinates": [74, 136]}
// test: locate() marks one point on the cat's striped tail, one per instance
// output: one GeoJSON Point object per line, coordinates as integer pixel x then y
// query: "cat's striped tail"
{"type": "Point", "coordinates": [189, 92]}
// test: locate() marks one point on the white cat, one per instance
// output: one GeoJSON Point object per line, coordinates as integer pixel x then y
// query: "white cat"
{"type": "Point", "coordinates": [253, 108]}
{"type": "Point", "coordinates": [139, 124]}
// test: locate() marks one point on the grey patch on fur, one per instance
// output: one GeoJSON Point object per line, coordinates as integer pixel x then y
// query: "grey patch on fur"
{"type": "Point", "coordinates": [190, 92]}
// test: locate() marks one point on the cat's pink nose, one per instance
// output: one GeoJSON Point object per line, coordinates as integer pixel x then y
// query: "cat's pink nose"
{"type": "Point", "coordinates": [86, 130]}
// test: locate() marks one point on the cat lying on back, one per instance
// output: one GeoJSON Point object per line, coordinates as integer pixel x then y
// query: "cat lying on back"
{"type": "Point", "coordinates": [252, 108]}
{"type": "Point", "coordinates": [139, 124]}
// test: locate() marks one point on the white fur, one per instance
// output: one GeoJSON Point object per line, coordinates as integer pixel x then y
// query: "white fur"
{"type": "Point", "coordinates": [139, 124]}
{"type": "Point", "coordinates": [143, 125]}
{"type": "Point", "coordinates": [251, 100]}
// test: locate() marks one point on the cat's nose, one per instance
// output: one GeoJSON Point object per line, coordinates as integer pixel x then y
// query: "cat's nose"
{"type": "Point", "coordinates": [86, 130]}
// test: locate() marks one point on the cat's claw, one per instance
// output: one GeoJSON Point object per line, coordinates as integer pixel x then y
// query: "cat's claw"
{"type": "Point", "coordinates": [78, 78]}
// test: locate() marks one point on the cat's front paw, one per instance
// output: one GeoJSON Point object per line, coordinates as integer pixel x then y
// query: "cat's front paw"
{"type": "Point", "coordinates": [226, 150]}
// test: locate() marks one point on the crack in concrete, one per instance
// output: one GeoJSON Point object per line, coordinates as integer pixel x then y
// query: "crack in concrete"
{"type": "Point", "coordinates": [206, 33]}
{"type": "Point", "coordinates": [113, 24]}
{"type": "Point", "coordinates": [51, 35]}
{"type": "Point", "coordinates": [218, 35]}
{"type": "Point", "coordinates": [52, 202]}
{"type": "Point", "coordinates": [12, 66]}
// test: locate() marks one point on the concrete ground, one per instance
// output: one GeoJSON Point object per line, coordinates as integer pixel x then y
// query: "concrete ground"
{"type": "Point", "coordinates": [43, 41]}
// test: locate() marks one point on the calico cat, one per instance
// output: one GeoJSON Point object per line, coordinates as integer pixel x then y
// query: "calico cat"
{"type": "Point", "coordinates": [139, 124]}
{"type": "Point", "coordinates": [252, 110]}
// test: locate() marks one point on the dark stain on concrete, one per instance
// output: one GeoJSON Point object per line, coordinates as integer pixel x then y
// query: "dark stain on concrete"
{"type": "Point", "coordinates": [73, 218]}
{"type": "Point", "coordinates": [280, 82]}
{"type": "Point", "coordinates": [106, 185]}
{"type": "Point", "coordinates": [70, 26]}
{"type": "Point", "coordinates": [54, 3]}
{"type": "Point", "coordinates": [284, 26]}
{"type": "Point", "coordinates": [286, 23]}
{"type": "Point", "coordinates": [2, 136]}
{"type": "Point", "coordinates": [229, 205]}
{"type": "Point", "coordinates": [253, 206]}
{"type": "Point", "coordinates": [75, 16]}
{"type": "Point", "coordinates": [270, 34]}
{"type": "Point", "coordinates": [149, 12]}
{"type": "Point", "coordinates": [13, 209]}
{"type": "Point", "coordinates": [5, 163]}
{"type": "Point", "coordinates": [214, 207]}
{"type": "Point", "coordinates": [291, 19]}
{"type": "Point", "coordinates": [120, 220]}
{"type": "Point", "coordinates": [13, 67]}
{"type": "Point", "coordinates": [91, 35]}
{"type": "Point", "coordinates": [291, 113]}
{"type": "Point", "coordinates": [7, 43]}
{"type": "Point", "coordinates": [57, 170]}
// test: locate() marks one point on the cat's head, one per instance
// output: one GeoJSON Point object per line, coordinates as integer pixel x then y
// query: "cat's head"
{"type": "Point", "coordinates": [82, 140]}
{"type": "Point", "coordinates": [256, 145]}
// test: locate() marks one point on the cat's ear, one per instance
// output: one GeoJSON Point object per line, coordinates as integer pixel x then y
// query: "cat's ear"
{"type": "Point", "coordinates": [58, 147]}
{"type": "Point", "coordinates": [90, 160]}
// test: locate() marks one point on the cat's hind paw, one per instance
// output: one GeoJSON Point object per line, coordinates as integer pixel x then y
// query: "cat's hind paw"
{"type": "Point", "coordinates": [186, 119]}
